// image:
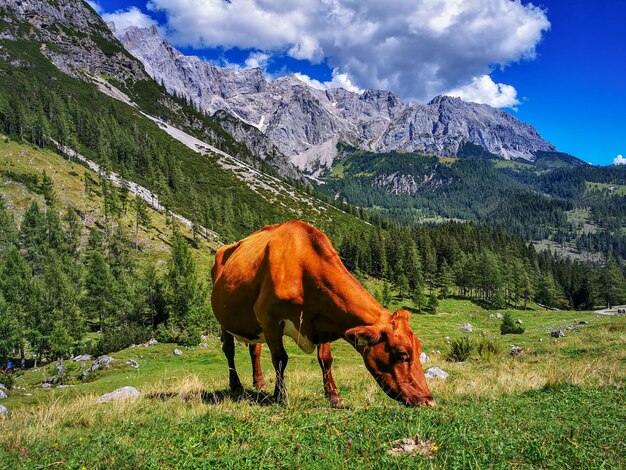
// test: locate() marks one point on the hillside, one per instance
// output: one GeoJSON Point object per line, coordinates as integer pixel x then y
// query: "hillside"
{"type": "Point", "coordinates": [577, 208]}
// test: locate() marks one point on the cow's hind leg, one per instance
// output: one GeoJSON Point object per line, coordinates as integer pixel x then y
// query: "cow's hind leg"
{"type": "Point", "coordinates": [325, 359]}
{"type": "Point", "coordinates": [228, 346]}
{"type": "Point", "coordinates": [274, 340]}
{"type": "Point", "coordinates": [257, 373]}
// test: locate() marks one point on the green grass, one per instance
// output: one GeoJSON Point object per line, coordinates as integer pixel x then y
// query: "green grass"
{"type": "Point", "coordinates": [560, 404]}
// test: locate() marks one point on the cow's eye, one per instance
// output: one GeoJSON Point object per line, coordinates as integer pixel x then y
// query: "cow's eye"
{"type": "Point", "coordinates": [403, 356]}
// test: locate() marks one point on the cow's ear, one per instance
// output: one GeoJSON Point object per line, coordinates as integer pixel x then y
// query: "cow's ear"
{"type": "Point", "coordinates": [401, 315]}
{"type": "Point", "coordinates": [363, 336]}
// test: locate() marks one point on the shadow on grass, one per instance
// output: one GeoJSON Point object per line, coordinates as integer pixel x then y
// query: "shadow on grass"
{"type": "Point", "coordinates": [219, 396]}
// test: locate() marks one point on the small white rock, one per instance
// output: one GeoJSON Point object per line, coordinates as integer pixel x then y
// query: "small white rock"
{"type": "Point", "coordinates": [499, 315]}
{"type": "Point", "coordinates": [424, 358]}
{"type": "Point", "coordinates": [467, 327]}
{"type": "Point", "coordinates": [2, 387]}
{"type": "Point", "coordinates": [178, 352]}
{"type": "Point", "coordinates": [436, 373]}
{"type": "Point", "coordinates": [3, 410]}
{"type": "Point", "coordinates": [120, 394]}
{"type": "Point", "coordinates": [152, 342]}
{"type": "Point", "coordinates": [3, 395]}
{"type": "Point", "coordinates": [518, 321]}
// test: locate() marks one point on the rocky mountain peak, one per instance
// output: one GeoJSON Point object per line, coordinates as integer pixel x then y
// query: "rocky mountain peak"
{"type": "Point", "coordinates": [305, 123]}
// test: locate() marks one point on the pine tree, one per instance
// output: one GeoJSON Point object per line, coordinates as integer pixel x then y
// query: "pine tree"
{"type": "Point", "coordinates": [98, 301]}
{"type": "Point", "coordinates": [445, 279]}
{"type": "Point", "coordinates": [386, 294]}
{"type": "Point", "coordinates": [8, 229]}
{"type": "Point", "coordinates": [612, 283]}
{"type": "Point", "coordinates": [47, 189]}
{"type": "Point", "coordinates": [433, 303]}
{"type": "Point", "coordinates": [10, 331]}
{"type": "Point", "coordinates": [186, 296]}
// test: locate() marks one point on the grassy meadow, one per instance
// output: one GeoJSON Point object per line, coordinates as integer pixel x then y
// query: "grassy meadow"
{"type": "Point", "coordinates": [559, 404]}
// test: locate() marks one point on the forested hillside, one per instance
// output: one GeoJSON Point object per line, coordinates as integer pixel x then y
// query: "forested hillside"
{"type": "Point", "coordinates": [558, 198]}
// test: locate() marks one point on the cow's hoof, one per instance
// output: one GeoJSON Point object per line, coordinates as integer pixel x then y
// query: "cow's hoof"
{"type": "Point", "coordinates": [335, 401]}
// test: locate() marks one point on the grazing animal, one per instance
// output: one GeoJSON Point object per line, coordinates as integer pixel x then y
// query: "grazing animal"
{"type": "Point", "coordinates": [288, 279]}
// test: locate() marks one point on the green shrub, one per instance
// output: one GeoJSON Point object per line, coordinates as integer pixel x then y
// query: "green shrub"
{"type": "Point", "coordinates": [7, 380]}
{"type": "Point", "coordinates": [460, 349]}
{"type": "Point", "coordinates": [488, 348]}
{"type": "Point", "coordinates": [116, 339]}
{"type": "Point", "coordinates": [508, 327]}
{"type": "Point", "coordinates": [433, 304]}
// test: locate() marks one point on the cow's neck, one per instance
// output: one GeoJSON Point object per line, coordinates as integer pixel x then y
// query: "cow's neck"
{"type": "Point", "coordinates": [352, 304]}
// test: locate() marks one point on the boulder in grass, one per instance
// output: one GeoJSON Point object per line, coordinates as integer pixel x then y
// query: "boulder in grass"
{"type": "Point", "coordinates": [82, 358]}
{"type": "Point", "coordinates": [178, 352]}
{"type": "Point", "coordinates": [467, 327]}
{"type": "Point", "coordinates": [424, 358]}
{"type": "Point", "coordinates": [518, 321]}
{"type": "Point", "coordinates": [3, 410]}
{"type": "Point", "coordinates": [557, 334]}
{"type": "Point", "coordinates": [3, 395]}
{"type": "Point", "coordinates": [499, 315]}
{"type": "Point", "coordinates": [152, 342]}
{"type": "Point", "coordinates": [123, 393]}
{"type": "Point", "coordinates": [2, 387]}
{"type": "Point", "coordinates": [134, 364]}
{"type": "Point", "coordinates": [436, 373]}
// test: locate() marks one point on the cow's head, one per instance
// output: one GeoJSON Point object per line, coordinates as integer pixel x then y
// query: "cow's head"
{"type": "Point", "coordinates": [391, 353]}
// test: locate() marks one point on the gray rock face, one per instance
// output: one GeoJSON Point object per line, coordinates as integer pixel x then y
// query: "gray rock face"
{"type": "Point", "coordinates": [73, 28]}
{"type": "Point", "coordinates": [3, 410]}
{"type": "Point", "coordinates": [436, 373]}
{"type": "Point", "coordinates": [305, 123]}
{"type": "Point", "coordinates": [123, 393]}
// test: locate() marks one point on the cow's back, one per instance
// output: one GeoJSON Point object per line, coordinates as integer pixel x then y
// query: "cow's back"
{"type": "Point", "coordinates": [264, 269]}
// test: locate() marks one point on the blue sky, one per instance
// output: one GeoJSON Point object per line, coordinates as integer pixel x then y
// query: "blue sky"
{"type": "Point", "coordinates": [562, 71]}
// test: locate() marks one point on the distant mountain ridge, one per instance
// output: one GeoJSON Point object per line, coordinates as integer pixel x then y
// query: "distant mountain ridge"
{"type": "Point", "coordinates": [306, 123]}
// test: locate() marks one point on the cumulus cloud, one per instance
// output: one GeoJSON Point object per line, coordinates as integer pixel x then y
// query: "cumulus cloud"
{"type": "Point", "coordinates": [619, 160]}
{"type": "Point", "coordinates": [257, 59]}
{"type": "Point", "coordinates": [416, 48]}
{"type": "Point", "coordinates": [484, 90]}
{"type": "Point", "coordinates": [132, 16]}
{"type": "Point", "coordinates": [339, 80]}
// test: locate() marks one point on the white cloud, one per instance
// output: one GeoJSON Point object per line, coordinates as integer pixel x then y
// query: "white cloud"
{"type": "Point", "coordinates": [132, 16]}
{"type": "Point", "coordinates": [339, 80]}
{"type": "Point", "coordinates": [416, 48]}
{"type": "Point", "coordinates": [619, 160]}
{"type": "Point", "coordinates": [257, 59]}
{"type": "Point", "coordinates": [95, 5]}
{"type": "Point", "coordinates": [484, 90]}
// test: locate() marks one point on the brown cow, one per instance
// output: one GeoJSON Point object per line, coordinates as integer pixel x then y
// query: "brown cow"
{"type": "Point", "coordinates": [288, 280]}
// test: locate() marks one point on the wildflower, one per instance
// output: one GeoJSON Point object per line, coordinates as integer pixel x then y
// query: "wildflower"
{"type": "Point", "coordinates": [435, 448]}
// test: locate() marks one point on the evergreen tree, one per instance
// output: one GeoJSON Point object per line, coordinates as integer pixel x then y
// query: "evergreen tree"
{"type": "Point", "coordinates": [445, 279]}
{"type": "Point", "coordinates": [186, 296]}
{"type": "Point", "coordinates": [612, 284]}
{"type": "Point", "coordinates": [47, 189]}
{"type": "Point", "coordinates": [8, 229]}
{"type": "Point", "coordinates": [142, 217]}
{"type": "Point", "coordinates": [10, 331]}
{"type": "Point", "coordinates": [98, 299]}
{"type": "Point", "coordinates": [433, 303]}
{"type": "Point", "coordinates": [546, 290]}
{"type": "Point", "coordinates": [386, 294]}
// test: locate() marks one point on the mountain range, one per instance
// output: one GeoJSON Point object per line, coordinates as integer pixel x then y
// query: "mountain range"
{"type": "Point", "coordinates": [306, 123]}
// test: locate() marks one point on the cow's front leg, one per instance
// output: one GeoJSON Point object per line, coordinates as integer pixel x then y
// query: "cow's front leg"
{"type": "Point", "coordinates": [228, 346]}
{"type": "Point", "coordinates": [257, 373]}
{"type": "Point", "coordinates": [325, 358]}
{"type": "Point", "coordinates": [274, 340]}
